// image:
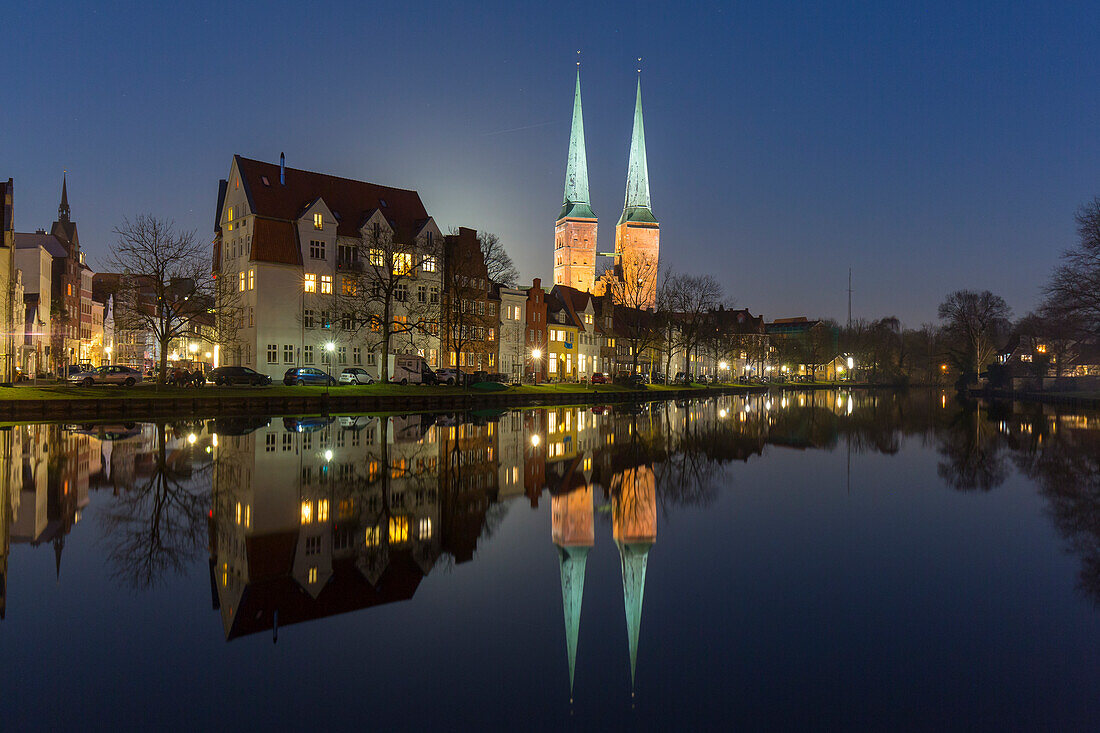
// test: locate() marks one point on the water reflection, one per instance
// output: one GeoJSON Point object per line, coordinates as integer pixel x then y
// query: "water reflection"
{"type": "Point", "coordinates": [305, 518]}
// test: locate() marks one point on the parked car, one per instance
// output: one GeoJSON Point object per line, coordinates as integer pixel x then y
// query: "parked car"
{"type": "Point", "coordinates": [228, 375]}
{"type": "Point", "coordinates": [356, 375]}
{"type": "Point", "coordinates": [659, 378]}
{"type": "Point", "coordinates": [110, 374]}
{"type": "Point", "coordinates": [307, 375]}
{"type": "Point", "coordinates": [448, 376]}
{"type": "Point", "coordinates": [82, 368]}
{"type": "Point", "coordinates": [682, 378]}
{"type": "Point", "coordinates": [599, 378]}
{"type": "Point", "coordinates": [410, 368]}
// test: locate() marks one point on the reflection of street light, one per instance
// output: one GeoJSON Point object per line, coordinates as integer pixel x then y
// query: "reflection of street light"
{"type": "Point", "coordinates": [191, 438]}
{"type": "Point", "coordinates": [328, 454]}
{"type": "Point", "coordinates": [535, 440]}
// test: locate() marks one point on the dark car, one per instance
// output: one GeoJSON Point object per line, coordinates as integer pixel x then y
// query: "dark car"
{"type": "Point", "coordinates": [307, 375]}
{"type": "Point", "coordinates": [227, 375]}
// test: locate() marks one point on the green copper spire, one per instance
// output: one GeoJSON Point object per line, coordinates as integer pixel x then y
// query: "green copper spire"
{"type": "Point", "coordinates": [573, 561]}
{"type": "Point", "coordinates": [636, 207]}
{"type": "Point", "coordinates": [634, 556]}
{"type": "Point", "coordinates": [576, 204]}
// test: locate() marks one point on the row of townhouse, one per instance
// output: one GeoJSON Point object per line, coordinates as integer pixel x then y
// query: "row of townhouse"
{"type": "Point", "coordinates": [318, 270]}
{"type": "Point", "coordinates": [51, 320]}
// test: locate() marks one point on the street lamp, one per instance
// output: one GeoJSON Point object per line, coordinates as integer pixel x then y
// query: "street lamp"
{"type": "Point", "coordinates": [536, 354]}
{"type": "Point", "coordinates": [329, 348]}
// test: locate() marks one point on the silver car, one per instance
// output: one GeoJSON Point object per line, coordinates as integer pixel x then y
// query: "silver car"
{"type": "Point", "coordinates": [110, 374]}
{"type": "Point", "coordinates": [356, 375]}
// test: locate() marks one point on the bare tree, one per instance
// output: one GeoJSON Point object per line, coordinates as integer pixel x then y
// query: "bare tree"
{"type": "Point", "coordinates": [633, 287]}
{"type": "Point", "coordinates": [973, 323]}
{"type": "Point", "coordinates": [468, 317]}
{"type": "Point", "coordinates": [498, 263]}
{"type": "Point", "coordinates": [699, 295]}
{"type": "Point", "coordinates": [165, 284]}
{"type": "Point", "coordinates": [389, 290]}
{"type": "Point", "coordinates": [1073, 293]}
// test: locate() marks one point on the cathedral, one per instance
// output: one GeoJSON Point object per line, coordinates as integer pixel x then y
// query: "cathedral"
{"type": "Point", "coordinates": [633, 278]}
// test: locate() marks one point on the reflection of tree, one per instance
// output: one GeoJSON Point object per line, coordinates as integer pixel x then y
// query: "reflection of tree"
{"type": "Point", "coordinates": [157, 523]}
{"type": "Point", "coordinates": [973, 453]}
{"type": "Point", "coordinates": [1066, 465]}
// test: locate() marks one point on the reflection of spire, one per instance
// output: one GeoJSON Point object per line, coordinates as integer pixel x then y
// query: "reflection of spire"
{"type": "Point", "coordinates": [634, 559]}
{"type": "Point", "coordinates": [573, 531]}
{"type": "Point", "coordinates": [58, 547]}
{"type": "Point", "coordinates": [573, 561]}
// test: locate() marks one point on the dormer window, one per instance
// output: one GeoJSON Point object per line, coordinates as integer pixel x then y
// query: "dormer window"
{"type": "Point", "coordinates": [265, 181]}
{"type": "Point", "coordinates": [318, 221]}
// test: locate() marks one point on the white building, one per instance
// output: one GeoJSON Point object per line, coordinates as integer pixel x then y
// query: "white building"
{"type": "Point", "coordinates": [285, 238]}
{"type": "Point", "coordinates": [513, 326]}
{"type": "Point", "coordinates": [34, 256]}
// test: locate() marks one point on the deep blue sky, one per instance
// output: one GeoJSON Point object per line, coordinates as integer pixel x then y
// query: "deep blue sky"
{"type": "Point", "coordinates": [931, 146]}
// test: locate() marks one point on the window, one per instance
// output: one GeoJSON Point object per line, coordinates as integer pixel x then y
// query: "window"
{"type": "Point", "coordinates": [346, 253]}
{"type": "Point", "coordinates": [318, 221]}
{"type": "Point", "coordinates": [313, 547]}
{"type": "Point", "coordinates": [492, 333]}
{"type": "Point", "coordinates": [349, 286]}
{"type": "Point", "coordinates": [341, 355]}
{"type": "Point", "coordinates": [326, 284]}
{"type": "Point", "coordinates": [322, 510]}
{"type": "Point", "coordinates": [269, 443]}
{"type": "Point", "coordinates": [272, 353]}
{"type": "Point", "coordinates": [325, 322]}
{"type": "Point", "coordinates": [310, 282]}
{"type": "Point", "coordinates": [288, 353]}
{"type": "Point", "coordinates": [288, 441]}
{"type": "Point", "coordinates": [424, 528]}
{"type": "Point", "coordinates": [251, 279]}
{"type": "Point", "coordinates": [421, 294]}
{"type": "Point", "coordinates": [347, 321]}
{"type": "Point", "coordinates": [242, 282]}
{"type": "Point", "coordinates": [308, 318]}
{"type": "Point", "coordinates": [402, 263]}
{"type": "Point", "coordinates": [429, 262]}
{"type": "Point", "coordinates": [307, 354]}
{"type": "Point", "coordinates": [401, 292]}
{"type": "Point", "coordinates": [372, 358]}
{"type": "Point", "coordinates": [434, 296]}
{"type": "Point", "coordinates": [377, 256]}
{"type": "Point", "coordinates": [399, 529]}
{"type": "Point", "coordinates": [356, 355]}
{"type": "Point", "coordinates": [251, 316]}
{"type": "Point", "coordinates": [316, 249]}
{"type": "Point", "coordinates": [307, 512]}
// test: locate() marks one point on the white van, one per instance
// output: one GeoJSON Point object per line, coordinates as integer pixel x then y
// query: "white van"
{"type": "Point", "coordinates": [410, 369]}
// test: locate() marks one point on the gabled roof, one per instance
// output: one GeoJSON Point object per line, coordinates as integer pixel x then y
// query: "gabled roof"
{"type": "Point", "coordinates": [48, 242]}
{"type": "Point", "coordinates": [351, 200]}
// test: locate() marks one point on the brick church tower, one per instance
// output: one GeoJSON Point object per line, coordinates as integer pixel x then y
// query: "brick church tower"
{"type": "Point", "coordinates": [637, 235]}
{"type": "Point", "coordinates": [575, 230]}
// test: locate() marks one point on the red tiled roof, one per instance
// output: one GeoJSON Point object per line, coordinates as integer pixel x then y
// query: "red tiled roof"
{"type": "Point", "coordinates": [352, 200]}
{"type": "Point", "coordinates": [275, 241]}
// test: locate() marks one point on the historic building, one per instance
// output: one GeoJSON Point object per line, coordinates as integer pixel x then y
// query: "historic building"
{"type": "Point", "coordinates": [637, 235]}
{"type": "Point", "coordinates": [310, 262]}
{"type": "Point", "coordinates": [8, 345]}
{"type": "Point", "coordinates": [575, 230]}
{"type": "Point", "coordinates": [68, 281]}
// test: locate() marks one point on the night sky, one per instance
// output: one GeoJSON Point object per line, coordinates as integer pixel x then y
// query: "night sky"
{"type": "Point", "coordinates": [929, 146]}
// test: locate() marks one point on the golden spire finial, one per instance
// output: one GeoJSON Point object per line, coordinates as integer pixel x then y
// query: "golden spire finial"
{"type": "Point", "coordinates": [578, 59]}
{"type": "Point", "coordinates": [639, 64]}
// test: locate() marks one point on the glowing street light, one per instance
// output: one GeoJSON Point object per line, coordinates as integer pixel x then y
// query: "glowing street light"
{"type": "Point", "coordinates": [191, 438]}
{"type": "Point", "coordinates": [535, 439]}
{"type": "Point", "coordinates": [329, 348]}
{"type": "Point", "coordinates": [328, 454]}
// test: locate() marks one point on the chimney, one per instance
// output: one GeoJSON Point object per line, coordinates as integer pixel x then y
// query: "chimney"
{"type": "Point", "coordinates": [537, 283]}
{"type": "Point", "coordinates": [282, 169]}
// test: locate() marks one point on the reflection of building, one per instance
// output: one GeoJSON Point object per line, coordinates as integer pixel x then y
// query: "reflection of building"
{"type": "Point", "coordinates": [312, 517]}
{"type": "Point", "coordinates": [573, 532]}
{"type": "Point", "coordinates": [634, 525]}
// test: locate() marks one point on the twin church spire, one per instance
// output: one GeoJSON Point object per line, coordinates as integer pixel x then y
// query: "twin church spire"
{"type": "Point", "coordinates": [576, 228]}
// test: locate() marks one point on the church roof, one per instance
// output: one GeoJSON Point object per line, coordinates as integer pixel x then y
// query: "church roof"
{"type": "Point", "coordinates": [576, 203]}
{"type": "Point", "coordinates": [637, 205]}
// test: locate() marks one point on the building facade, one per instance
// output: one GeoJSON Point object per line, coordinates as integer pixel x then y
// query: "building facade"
{"type": "Point", "coordinates": [307, 260]}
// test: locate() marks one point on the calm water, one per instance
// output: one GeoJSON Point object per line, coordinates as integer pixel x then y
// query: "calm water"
{"type": "Point", "coordinates": [815, 561]}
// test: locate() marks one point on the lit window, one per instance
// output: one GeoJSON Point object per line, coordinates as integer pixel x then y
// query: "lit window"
{"type": "Point", "coordinates": [377, 256]}
{"type": "Point", "coordinates": [424, 530]}
{"type": "Point", "coordinates": [307, 512]}
{"type": "Point", "coordinates": [318, 221]}
{"type": "Point", "coordinates": [402, 263]}
{"type": "Point", "coordinates": [429, 264]}
{"type": "Point", "coordinates": [242, 282]}
{"type": "Point", "coordinates": [230, 218]}
{"type": "Point", "coordinates": [399, 529]}
{"type": "Point", "coordinates": [310, 282]}
{"type": "Point", "coordinates": [373, 536]}
{"type": "Point", "coordinates": [313, 575]}
{"type": "Point", "coordinates": [326, 284]}
{"type": "Point", "coordinates": [251, 279]}
{"type": "Point", "coordinates": [322, 510]}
